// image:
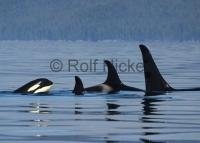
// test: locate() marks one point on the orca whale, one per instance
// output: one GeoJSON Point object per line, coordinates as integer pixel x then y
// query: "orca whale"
{"type": "Point", "coordinates": [111, 85]}
{"type": "Point", "coordinates": [41, 85]}
{"type": "Point", "coordinates": [155, 83]}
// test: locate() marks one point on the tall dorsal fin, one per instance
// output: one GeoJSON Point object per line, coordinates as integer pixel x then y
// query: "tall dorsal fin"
{"type": "Point", "coordinates": [153, 79]}
{"type": "Point", "coordinates": [112, 77]}
{"type": "Point", "coordinates": [78, 88]}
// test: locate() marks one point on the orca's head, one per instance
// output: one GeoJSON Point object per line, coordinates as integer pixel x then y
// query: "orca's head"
{"type": "Point", "coordinates": [44, 85]}
{"type": "Point", "coordinates": [41, 85]}
{"type": "Point", "coordinates": [45, 81]}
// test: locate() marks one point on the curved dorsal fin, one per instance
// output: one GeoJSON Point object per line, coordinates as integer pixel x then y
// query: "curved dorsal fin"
{"type": "Point", "coordinates": [112, 76]}
{"type": "Point", "coordinates": [153, 79]}
{"type": "Point", "coordinates": [78, 88]}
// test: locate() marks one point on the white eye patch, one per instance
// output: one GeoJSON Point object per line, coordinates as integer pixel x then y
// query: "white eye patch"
{"type": "Point", "coordinates": [34, 87]}
{"type": "Point", "coordinates": [43, 89]}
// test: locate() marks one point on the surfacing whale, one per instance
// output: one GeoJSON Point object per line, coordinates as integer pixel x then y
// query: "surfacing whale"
{"type": "Point", "coordinates": [111, 85]}
{"type": "Point", "coordinates": [155, 83]}
{"type": "Point", "coordinates": [41, 85]}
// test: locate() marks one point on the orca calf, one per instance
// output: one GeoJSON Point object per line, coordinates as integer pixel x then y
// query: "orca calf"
{"type": "Point", "coordinates": [111, 85]}
{"type": "Point", "coordinates": [155, 83]}
{"type": "Point", "coordinates": [41, 85]}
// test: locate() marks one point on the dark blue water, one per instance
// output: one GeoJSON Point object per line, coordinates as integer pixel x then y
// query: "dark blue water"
{"type": "Point", "coordinates": [122, 117]}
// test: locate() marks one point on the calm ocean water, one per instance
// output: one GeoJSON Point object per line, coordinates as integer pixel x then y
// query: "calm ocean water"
{"type": "Point", "coordinates": [122, 117]}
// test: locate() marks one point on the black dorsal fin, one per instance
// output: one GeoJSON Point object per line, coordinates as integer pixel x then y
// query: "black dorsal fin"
{"type": "Point", "coordinates": [78, 88]}
{"type": "Point", "coordinates": [153, 79]}
{"type": "Point", "coordinates": [112, 77]}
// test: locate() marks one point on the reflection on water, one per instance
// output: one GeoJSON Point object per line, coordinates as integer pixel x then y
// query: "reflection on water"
{"type": "Point", "coordinates": [125, 117]}
{"type": "Point", "coordinates": [149, 108]}
{"type": "Point", "coordinates": [37, 108]}
{"type": "Point", "coordinates": [112, 109]}
{"type": "Point", "coordinates": [100, 119]}
{"type": "Point", "coordinates": [78, 109]}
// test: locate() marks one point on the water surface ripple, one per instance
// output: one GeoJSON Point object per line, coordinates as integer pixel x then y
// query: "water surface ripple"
{"type": "Point", "coordinates": [123, 117]}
